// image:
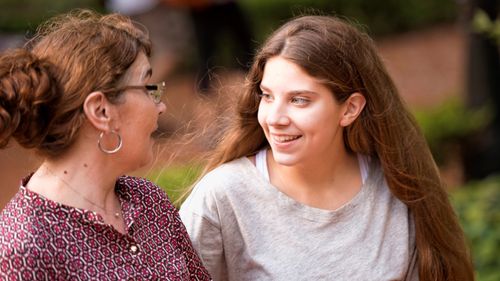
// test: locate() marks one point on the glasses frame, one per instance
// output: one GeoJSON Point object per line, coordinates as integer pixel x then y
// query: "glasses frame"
{"type": "Point", "coordinates": [154, 91]}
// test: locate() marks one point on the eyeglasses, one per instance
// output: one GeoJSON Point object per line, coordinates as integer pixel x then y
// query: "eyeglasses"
{"type": "Point", "coordinates": [155, 91]}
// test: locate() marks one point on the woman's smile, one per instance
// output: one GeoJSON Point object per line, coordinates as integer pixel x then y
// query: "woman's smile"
{"type": "Point", "coordinates": [293, 111]}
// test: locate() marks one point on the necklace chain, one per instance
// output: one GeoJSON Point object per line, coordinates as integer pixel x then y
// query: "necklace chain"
{"type": "Point", "coordinates": [115, 214]}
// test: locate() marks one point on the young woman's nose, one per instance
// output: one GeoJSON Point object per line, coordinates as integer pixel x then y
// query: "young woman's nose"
{"type": "Point", "coordinates": [277, 115]}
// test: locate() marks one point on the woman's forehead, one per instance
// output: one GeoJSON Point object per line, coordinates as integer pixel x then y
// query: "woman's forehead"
{"type": "Point", "coordinates": [140, 69]}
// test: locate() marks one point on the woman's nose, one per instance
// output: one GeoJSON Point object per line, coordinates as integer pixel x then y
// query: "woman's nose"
{"type": "Point", "coordinates": [278, 115]}
{"type": "Point", "coordinates": [161, 107]}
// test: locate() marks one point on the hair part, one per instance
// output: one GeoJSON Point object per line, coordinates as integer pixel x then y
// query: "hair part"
{"type": "Point", "coordinates": [346, 61]}
{"type": "Point", "coordinates": [44, 84]}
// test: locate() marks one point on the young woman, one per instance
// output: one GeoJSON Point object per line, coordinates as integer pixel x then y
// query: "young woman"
{"type": "Point", "coordinates": [81, 97]}
{"type": "Point", "coordinates": [324, 174]}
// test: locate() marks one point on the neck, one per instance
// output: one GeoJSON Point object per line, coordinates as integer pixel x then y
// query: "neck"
{"type": "Point", "coordinates": [342, 165]}
{"type": "Point", "coordinates": [80, 182]}
{"type": "Point", "coordinates": [327, 185]}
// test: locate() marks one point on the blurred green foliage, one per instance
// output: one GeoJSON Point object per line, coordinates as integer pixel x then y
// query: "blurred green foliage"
{"type": "Point", "coordinates": [25, 15]}
{"type": "Point", "coordinates": [175, 179]}
{"type": "Point", "coordinates": [449, 123]}
{"type": "Point", "coordinates": [478, 208]}
{"type": "Point", "coordinates": [481, 23]}
{"type": "Point", "coordinates": [381, 17]}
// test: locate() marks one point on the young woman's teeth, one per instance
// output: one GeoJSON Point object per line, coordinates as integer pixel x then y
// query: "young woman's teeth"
{"type": "Point", "coordinates": [285, 138]}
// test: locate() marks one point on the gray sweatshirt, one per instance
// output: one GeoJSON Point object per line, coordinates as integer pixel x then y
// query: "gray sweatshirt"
{"type": "Point", "coordinates": [244, 228]}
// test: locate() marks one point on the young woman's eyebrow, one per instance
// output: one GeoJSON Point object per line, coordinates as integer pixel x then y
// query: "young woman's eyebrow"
{"type": "Point", "coordinates": [264, 88]}
{"type": "Point", "coordinates": [301, 92]}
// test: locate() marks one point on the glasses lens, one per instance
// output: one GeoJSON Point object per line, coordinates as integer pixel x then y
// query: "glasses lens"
{"type": "Point", "coordinates": [156, 91]}
{"type": "Point", "coordinates": [156, 95]}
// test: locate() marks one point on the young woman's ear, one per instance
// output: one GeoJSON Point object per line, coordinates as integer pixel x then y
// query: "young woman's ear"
{"type": "Point", "coordinates": [98, 110]}
{"type": "Point", "coordinates": [352, 108]}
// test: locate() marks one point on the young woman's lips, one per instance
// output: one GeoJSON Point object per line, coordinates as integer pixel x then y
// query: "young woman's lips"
{"type": "Point", "coordinates": [284, 140]}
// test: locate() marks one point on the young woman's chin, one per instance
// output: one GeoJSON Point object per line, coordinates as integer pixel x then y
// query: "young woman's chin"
{"type": "Point", "coordinates": [286, 158]}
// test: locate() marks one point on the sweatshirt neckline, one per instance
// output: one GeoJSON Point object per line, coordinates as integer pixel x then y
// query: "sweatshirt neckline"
{"type": "Point", "coordinates": [289, 205]}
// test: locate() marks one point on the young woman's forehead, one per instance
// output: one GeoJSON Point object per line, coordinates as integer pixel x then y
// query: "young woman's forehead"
{"type": "Point", "coordinates": [281, 74]}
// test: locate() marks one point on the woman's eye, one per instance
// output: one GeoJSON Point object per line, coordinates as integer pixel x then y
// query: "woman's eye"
{"type": "Point", "coordinates": [265, 96]}
{"type": "Point", "coordinates": [299, 101]}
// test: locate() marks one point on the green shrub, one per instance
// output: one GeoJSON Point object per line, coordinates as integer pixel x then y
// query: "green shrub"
{"type": "Point", "coordinates": [482, 24]}
{"type": "Point", "coordinates": [448, 123]}
{"type": "Point", "coordinates": [25, 15]}
{"type": "Point", "coordinates": [478, 208]}
{"type": "Point", "coordinates": [175, 179]}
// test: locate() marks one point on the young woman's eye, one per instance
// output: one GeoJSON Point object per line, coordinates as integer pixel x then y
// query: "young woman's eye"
{"type": "Point", "coordinates": [265, 97]}
{"type": "Point", "coordinates": [299, 101]}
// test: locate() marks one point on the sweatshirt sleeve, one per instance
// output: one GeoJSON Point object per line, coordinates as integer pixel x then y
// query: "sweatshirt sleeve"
{"type": "Point", "coordinates": [199, 215]}
{"type": "Point", "coordinates": [197, 271]}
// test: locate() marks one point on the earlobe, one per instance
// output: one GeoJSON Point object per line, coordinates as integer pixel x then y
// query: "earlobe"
{"type": "Point", "coordinates": [97, 109]}
{"type": "Point", "coordinates": [353, 107]}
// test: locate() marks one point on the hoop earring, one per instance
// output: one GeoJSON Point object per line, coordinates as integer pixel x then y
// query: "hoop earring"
{"type": "Point", "coordinates": [111, 151]}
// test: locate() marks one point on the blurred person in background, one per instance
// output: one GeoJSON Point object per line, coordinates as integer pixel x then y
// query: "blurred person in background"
{"type": "Point", "coordinates": [81, 96]}
{"type": "Point", "coordinates": [169, 30]}
{"type": "Point", "coordinates": [323, 173]}
{"type": "Point", "coordinates": [216, 22]}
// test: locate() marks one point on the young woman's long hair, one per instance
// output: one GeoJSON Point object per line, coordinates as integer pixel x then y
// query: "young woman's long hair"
{"type": "Point", "coordinates": [346, 61]}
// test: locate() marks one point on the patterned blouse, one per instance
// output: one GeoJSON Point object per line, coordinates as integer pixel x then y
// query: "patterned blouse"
{"type": "Point", "coordinates": [44, 240]}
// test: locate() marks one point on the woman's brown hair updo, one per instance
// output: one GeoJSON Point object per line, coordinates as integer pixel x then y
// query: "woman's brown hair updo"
{"type": "Point", "coordinates": [28, 96]}
{"type": "Point", "coordinates": [44, 85]}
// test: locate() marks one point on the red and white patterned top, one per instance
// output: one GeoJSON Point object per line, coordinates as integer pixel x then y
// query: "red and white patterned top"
{"type": "Point", "coordinates": [44, 240]}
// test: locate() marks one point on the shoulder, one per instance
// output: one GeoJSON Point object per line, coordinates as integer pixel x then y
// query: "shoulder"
{"type": "Point", "coordinates": [382, 195]}
{"type": "Point", "coordinates": [154, 206]}
{"type": "Point", "coordinates": [132, 182]}
{"type": "Point", "coordinates": [220, 187]}
{"type": "Point", "coordinates": [375, 176]}
{"type": "Point", "coordinates": [18, 214]}
{"type": "Point", "coordinates": [228, 180]}
{"type": "Point", "coordinates": [13, 220]}
{"type": "Point", "coordinates": [142, 191]}
{"type": "Point", "coordinates": [378, 190]}
{"type": "Point", "coordinates": [138, 186]}
{"type": "Point", "coordinates": [234, 173]}
{"type": "Point", "coordinates": [22, 233]}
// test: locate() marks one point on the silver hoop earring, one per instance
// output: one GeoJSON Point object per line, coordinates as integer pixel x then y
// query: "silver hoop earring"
{"type": "Point", "coordinates": [111, 151]}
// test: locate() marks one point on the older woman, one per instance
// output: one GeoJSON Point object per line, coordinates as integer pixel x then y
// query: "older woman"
{"type": "Point", "coordinates": [81, 97]}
